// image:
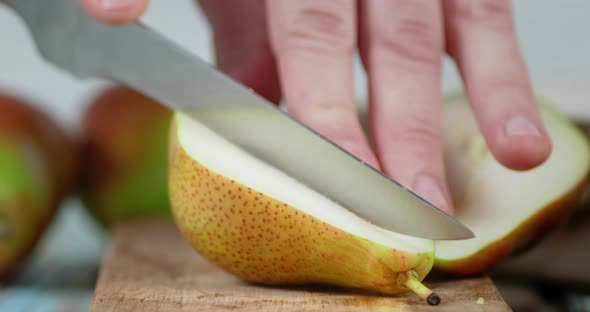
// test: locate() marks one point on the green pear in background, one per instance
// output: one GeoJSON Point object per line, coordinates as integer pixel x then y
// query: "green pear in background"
{"type": "Point", "coordinates": [37, 171]}
{"type": "Point", "coordinates": [125, 156]}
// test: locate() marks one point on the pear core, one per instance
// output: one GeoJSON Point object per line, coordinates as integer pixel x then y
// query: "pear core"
{"type": "Point", "coordinates": [504, 207]}
{"type": "Point", "coordinates": [228, 160]}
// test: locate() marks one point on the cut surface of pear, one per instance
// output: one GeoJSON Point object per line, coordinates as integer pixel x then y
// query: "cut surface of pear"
{"type": "Point", "coordinates": [503, 207]}
{"type": "Point", "coordinates": [261, 225]}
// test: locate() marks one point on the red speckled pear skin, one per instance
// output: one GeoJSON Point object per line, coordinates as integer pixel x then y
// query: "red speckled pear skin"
{"type": "Point", "coordinates": [263, 240]}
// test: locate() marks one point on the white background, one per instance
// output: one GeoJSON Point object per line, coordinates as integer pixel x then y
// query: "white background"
{"type": "Point", "coordinates": [554, 37]}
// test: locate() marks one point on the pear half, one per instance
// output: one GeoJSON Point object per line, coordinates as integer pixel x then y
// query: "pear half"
{"type": "Point", "coordinates": [263, 226]}
{"type": "Point", "coordinates": [506, 209]}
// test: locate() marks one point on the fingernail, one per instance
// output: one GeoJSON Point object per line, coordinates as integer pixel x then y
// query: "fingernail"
{"type": "Point", "coordinates": [113, 5]}
{"type": "Point", "coordinates": [521, 126]}
{"type": "Point", "coordinates": [428, 188]}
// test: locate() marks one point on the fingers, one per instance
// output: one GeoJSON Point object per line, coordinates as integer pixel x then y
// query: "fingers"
{"type": "Point", "coordinates": [314, 42]}
{"type": "Point", "coordinates": [115, 11]}
{"type": "Point", "coordinates": [401, 48]}
{"type": "Point", "coordinates": [481, 39]}
{"type": "Point", "coordinates": [242, 47]}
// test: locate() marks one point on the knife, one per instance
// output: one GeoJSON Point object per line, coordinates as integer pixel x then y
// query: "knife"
{"type": "Point", "coordinates": [146, 61]}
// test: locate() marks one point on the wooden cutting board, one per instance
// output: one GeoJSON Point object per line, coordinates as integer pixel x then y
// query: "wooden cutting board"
{"type": "Point", "coordinates": [150, 267]}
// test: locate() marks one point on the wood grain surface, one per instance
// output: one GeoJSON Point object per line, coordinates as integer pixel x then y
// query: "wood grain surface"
{"type": "Point", "coordinates": [150, 267]}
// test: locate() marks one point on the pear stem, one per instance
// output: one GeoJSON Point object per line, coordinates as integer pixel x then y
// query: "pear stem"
{"type": "Point", "coordinates": [420, 289]}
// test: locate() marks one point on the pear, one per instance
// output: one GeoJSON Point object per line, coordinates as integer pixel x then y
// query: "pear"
{"type": "Point", "coordinates": [125, 149]}
{"type": "Point", "coordinates": [506, 209]}
{"type": "Point", "coordinates": [38, 167]}
{"type": "Point", "coordinates": [265, 227]}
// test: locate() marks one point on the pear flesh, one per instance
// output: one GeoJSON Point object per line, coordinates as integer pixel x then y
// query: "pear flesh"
{"type": "Point", "coordinates": [265, 227]}
{"type": "Point", "coordinates": [503, 207]}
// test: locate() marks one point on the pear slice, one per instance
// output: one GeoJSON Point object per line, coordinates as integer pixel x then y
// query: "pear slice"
{"type": "Point", "coordinates": [265, 227]}
{"type": "Point", "coordinates": [506, 209]}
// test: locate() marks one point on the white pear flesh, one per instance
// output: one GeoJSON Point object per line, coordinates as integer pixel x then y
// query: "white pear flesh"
{"type": "Point", "coordinates": [502, 206]}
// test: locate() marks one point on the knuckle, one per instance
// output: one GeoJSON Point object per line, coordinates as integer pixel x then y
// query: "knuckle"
{"type": "Point", "coordinates": [321, 27]}
{"type": "Point", "coordinates": [330, 113]}
{"type": "Point", "coordinates": [317, 110]}
{"type": "Point", "coordinates": [412, 39]}
{"type": "Point", "coordinates": [419, 132]}
{"type": "Point", "coordinates": [332, 120]}
{"type": "Point", "coordinates": [493, 13]}
{"type": "Point", "coordinates": [511, 85]}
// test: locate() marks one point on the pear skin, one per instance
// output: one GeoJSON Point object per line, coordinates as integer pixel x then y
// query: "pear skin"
{"type": "Point", "coordinates": [264, 240]}
{"type": "Point", "coordinates": [125, 149]}
{"type": "Point", "coordinates": [38, 167]}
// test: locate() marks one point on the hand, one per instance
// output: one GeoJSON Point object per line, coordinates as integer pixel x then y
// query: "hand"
{"type": "Point", "coordinates": [303, 50]}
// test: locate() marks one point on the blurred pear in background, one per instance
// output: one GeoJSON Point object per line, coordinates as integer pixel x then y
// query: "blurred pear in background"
{"type": "Point", "coordinates": [38, 167]}
{"type": "Point", "coordinates": [125, 139]}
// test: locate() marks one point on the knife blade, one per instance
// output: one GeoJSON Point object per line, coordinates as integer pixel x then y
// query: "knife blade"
{"type": "Point", "coordinates": [145, 60]}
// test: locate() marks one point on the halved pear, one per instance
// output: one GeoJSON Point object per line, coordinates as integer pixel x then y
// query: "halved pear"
{"type": "Point", "coordinates": [504, 208]}
{"type": "Point", "coordinates": [265, 227]}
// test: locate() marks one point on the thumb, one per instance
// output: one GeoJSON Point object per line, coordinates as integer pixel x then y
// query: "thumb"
{"type": "Point", "coordinates": [115, 11]}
